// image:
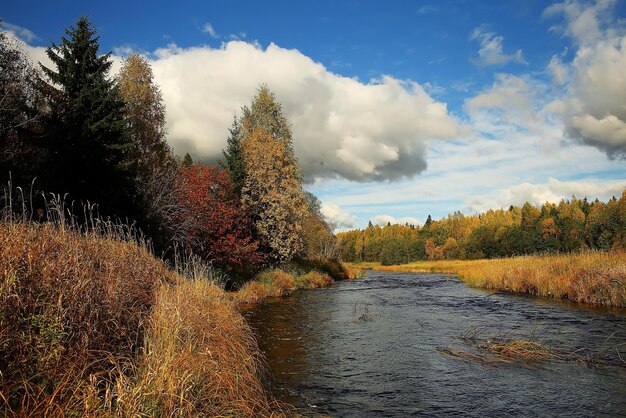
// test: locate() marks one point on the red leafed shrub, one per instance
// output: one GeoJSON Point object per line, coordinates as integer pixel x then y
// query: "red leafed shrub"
{"type": "Point", "coordinates": [221, 229]}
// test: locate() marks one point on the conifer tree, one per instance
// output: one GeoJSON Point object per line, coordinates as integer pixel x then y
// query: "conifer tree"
{"type": "Point", "coordinates": [233, 155]}
{"type": "Point", "coordinates": [187, 160]}
{"type": "Point", "coordinates": [91, 155]}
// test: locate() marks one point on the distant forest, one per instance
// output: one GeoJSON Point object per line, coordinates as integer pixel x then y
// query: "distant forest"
{"type": "Point", "coordinates": [568, 226]}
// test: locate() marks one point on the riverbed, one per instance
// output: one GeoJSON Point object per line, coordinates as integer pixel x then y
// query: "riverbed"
{"type": "Point", "coordinates": [381, 346]}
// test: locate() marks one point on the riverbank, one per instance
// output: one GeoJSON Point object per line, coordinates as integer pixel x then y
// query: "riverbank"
{"type": "Point", "coordinates": [597, 278]}
{"type": "Point", "coordinates": [95, 326]}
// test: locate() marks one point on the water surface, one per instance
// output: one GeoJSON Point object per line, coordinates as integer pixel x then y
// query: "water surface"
{"type": "Point", "coordinates": [371, 348]}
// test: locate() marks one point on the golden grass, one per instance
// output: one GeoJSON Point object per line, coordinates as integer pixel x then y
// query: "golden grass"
{"type": "Point", "coordinates": [98, 327]}
{"type": "Point", "coordinates": [200, 360]}
{"type": "Point", "coordinates": [597, 278]}
{"type": "Point", "coordinates": [279, 283]}
{"type": "Point", "coordinates": [354, 271]}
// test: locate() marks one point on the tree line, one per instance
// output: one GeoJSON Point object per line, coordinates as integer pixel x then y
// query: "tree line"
{"type": "Point", "coordinates": [100, 141]}
{"type": "Point", "coordinates": [569, 226]}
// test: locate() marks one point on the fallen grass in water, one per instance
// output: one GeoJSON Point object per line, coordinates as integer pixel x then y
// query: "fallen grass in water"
{"type": "Point", "coordinates": [497, 350]}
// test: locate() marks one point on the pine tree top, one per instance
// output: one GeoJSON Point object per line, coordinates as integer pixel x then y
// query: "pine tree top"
{"type": "Point", "coordinates": [77, 61]}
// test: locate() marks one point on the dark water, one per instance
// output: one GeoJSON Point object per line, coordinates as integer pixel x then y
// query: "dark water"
{"type": "Point", "coordinates": [370, 348]}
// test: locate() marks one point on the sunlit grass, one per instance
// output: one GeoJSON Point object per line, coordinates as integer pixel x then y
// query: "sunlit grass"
{"type": "Point", "coordinates": [278, 283]}
{"type": "Point", "coordinates": [594, 277]}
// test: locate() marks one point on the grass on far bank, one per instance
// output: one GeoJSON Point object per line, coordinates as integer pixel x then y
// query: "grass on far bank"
{"type": "Point", "coordinates": [597, 278]}
{"type": "Point", "coordinates": [303, 274]}
{"type": "Point", "coordinates": [94, 326]}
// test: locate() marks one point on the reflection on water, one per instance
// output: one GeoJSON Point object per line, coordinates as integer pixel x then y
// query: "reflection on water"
{"type": "Point", "coordinates": [369, 348]}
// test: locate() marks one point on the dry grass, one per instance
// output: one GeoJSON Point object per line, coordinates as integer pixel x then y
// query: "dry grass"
{"type": "Point", "coordinates": [597, 278]}
{"type": "Point", "coordinates": [354, 271]}
{"type": "Point", "coordinates": [279, 283]}
{"type": "Point", "coordinates": [313, 280]}
{"type": "Point", "coordinates": [502, 349]}
{"type": "Point", "coordinates": [98, 327]}
{"type": "Point", "coordinates": [200, 360]}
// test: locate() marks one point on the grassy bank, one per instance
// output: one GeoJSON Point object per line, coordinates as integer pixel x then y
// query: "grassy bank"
{"type": "Point", "coordinates": [93, 326]}
{"type": "Point", "coordinates": [303, 274]}
{"type": "Point", "coordinates": [597, 278]}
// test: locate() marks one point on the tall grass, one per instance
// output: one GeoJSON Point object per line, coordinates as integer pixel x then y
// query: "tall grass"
{"type": "Point", "coordinates": [95, 326]}
{"type": "Point", "coordinates": [597, 278]}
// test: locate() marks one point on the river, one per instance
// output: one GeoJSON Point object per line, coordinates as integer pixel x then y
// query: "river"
{"type": "Point", "coordinates": [381, 346]}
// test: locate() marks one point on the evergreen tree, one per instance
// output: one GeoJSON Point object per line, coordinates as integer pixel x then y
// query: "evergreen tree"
{"type": "Point", "coordinates": [187, 160]}
{"type": "Point", "coordinates": [233, 156]}
{"type": "Point", "coordinates": [90, 152]}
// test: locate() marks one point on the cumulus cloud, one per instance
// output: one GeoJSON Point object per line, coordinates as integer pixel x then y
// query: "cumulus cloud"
{"type": "Point", "coordinates": [491, 50]}
{"type": "Point", "coordinates": [337, 217]}
{"type": "Point", "coordinates": [383, 220]}
{"type": "Point", "coordinates": [341, 127]}
{"type": "Point", "coordinates": [594, 109]}
{"type": "Point", "coordinates": [210, 30]}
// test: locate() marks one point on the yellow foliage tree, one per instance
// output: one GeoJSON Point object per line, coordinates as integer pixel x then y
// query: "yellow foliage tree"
{"type": "Point", "coordinates": [273, 195]}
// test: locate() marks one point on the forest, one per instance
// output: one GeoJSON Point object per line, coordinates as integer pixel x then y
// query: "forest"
{"type": "Point", "coordinates": [572, 225]}
{"type": "Point", "coordinates": [98, 144]}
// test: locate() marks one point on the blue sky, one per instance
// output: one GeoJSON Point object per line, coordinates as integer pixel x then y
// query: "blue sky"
{"type": "Point", "coordinates": [400, 109]}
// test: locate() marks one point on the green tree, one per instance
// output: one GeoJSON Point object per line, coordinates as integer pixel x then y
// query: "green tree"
{"type": "Point", "coordinates": [91, 154]}
{"type": "Point", "coordinates": [233, 156]}
{"type": "Point", "coordinates": [187, 160]}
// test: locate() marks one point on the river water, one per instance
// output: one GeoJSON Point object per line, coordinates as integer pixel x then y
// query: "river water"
{"type": "Point", "coordinates": [377, 347]}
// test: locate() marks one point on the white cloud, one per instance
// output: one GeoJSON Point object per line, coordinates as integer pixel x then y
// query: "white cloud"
{"type": "Point", "coordinates": [583, 21]}
{"type": "Point", "coordinates": [24, 34]}
{"type": "Point", "coordinates": [558, 70]}
{"type": "Point", "coordinates": [509, 103]}
{"type": "Point", "coordinates": [383, 220]}
{"type": "Point", "coordinates": [593, 109]}
{"type": "Point", "coordinates": [337, 217]}
{"type": "Point", "coordinates": [553, 192]}
{"type": "Point", "coordinates": [491, 50]}
{"type": "Point", "coordinates": [208, 28]}
{"type": "Point", "coordinates": [341, 126]}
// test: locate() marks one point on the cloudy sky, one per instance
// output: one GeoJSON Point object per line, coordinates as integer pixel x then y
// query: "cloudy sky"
{"type": "Point", "coordinates": [399, 109]}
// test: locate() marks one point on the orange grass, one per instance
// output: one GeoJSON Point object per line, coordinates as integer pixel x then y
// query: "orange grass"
{"type": "Point", "coordinates": [597, 278]}
{"type": "Point", "coordinates": [99, 327]}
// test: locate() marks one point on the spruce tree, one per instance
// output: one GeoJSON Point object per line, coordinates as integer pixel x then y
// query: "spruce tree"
{"type": "Point", "coordinates": [233, 155]}
{"type": "Point", "coordinates": [91, 154]}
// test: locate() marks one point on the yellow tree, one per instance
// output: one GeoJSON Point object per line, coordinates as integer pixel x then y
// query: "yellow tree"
{"type": "Point", "coordinates": [144, 112]}
{"type": "Point", "coordinates": [272, 195]}
{"type": "Point", "coordinates": [157, 172]}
